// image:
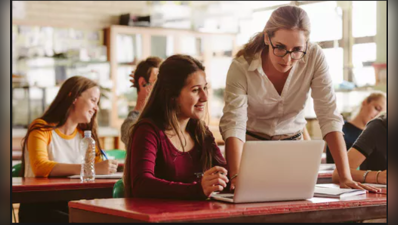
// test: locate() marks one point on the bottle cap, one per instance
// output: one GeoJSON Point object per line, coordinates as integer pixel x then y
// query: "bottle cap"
{"type": "Point", "coordinates": [87, 133]}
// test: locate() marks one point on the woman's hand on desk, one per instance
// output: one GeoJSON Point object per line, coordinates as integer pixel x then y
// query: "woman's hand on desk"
{"type": "Point", "coordinates": [106, 167]}
{"type": "Point", "coordinates": [348, 183]}
{"type": "Point", "coordinates": [214, 179]}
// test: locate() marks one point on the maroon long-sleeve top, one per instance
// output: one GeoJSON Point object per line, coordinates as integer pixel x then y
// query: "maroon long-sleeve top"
{"type": "Point", "coordinates": [159, 170]}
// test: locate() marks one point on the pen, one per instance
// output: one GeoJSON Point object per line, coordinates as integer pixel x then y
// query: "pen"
{"type": "Point", "coordinates": [199, 175]}
{"type": "Point", "coordinates": [104, 154]}
{"type": "Point", "coordinates": [146, 84]}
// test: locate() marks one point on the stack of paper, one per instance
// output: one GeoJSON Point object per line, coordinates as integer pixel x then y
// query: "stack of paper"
{"type": "Point", "coordinates": [326, 192]}
{"type": "Point", "coordinates": [338, 186]}
{"type": "Point", "coordinates": [330, 166]}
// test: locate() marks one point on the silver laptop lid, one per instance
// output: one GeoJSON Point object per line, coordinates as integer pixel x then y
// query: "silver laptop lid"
{"type": "Point", "coordinates": [278, 170]}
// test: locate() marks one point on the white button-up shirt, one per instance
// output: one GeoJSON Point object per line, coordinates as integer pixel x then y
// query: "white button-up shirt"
{"type": "Point", "coordinates": [252, 102]}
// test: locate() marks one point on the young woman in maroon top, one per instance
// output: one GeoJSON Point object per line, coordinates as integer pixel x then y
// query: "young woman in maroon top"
{"type": "Point", "coordinates": [171, 153]}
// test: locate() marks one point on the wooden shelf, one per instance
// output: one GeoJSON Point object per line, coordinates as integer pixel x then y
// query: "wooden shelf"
{"type": "Point", "coordinates": [145, 33]}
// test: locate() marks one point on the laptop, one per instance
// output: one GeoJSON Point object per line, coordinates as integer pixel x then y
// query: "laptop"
{"type": "Point", "coordinates": [276, 171]}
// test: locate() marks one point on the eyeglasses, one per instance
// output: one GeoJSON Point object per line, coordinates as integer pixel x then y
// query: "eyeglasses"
{"type": "Point", "coordinates": [282, 51]}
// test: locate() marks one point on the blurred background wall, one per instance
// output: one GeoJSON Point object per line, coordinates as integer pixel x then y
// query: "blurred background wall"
{"type": "Point", "coordinates": [53, 40]}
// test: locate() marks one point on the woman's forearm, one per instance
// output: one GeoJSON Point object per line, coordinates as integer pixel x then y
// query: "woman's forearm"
{"type": "Point", "coordinates": [357, 175]}
{"type": "Point", "coordinates": [233, 153]}
{"type": "Point", "coordinates": [64, 169]}
{"type": "Point", "coordinates": [338, 150]}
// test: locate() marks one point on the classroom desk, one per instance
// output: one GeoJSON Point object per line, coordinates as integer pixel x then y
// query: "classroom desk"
{"type": "Point", "coordinates": [28, 190]}
{"type": "Point", "coordinates": [324, 176]}
{"type": "Point", "coordinates": [363, 207]}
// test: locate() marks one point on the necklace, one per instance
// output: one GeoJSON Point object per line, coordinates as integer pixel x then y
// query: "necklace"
{"type": "Point", "coordinates": [172, 136]}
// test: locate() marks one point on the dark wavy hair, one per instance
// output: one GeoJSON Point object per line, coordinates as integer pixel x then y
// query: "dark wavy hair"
{"type": "Point", "coordinates": [144, 69]}
{"type": "Point", "coordinates": [162, 110]}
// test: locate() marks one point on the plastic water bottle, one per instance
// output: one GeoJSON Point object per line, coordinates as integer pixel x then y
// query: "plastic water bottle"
{"type": "Point", "coordinates": [87, 150]}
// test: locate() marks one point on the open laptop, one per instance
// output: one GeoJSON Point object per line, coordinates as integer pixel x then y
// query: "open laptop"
{"type": "Point", "coordinates": [276, 171]}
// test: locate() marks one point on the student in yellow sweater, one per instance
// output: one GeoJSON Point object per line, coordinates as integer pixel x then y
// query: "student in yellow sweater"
{"type": "Point", "coordinates": [51, 145]}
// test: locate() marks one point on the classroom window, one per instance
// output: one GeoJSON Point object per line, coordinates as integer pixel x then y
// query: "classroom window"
{"type": "Point", "coordinates": [364, 18]}
{"type": "Point", "coordinates": [363, 55]}
{"type": "Point", "coordinates": [326, 21]}
{"type": "Point", "coordinates": [250, 27]}
{"type": "Point", "coordinates": [253, 5]}
{"type": "Point", "coordinates": [334, 58]}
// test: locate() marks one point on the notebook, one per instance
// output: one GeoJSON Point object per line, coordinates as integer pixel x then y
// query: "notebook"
{"type": "Point", "coordinates": [326, 192]}
{"type": "Point", "coordinates": [276, 171]}
{"type": "Point", "coordinates": [328, 166]}
{"type": "Point", "coordinates": [118, 175]}
{"type": "Point", "coordinates": [338, 186]}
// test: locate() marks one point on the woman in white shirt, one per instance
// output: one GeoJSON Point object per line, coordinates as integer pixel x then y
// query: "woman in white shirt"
{"type": "Point", "coordinates": [267, 87]}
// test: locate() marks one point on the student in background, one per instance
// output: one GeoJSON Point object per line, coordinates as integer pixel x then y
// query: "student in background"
{"type": "Point", "coordinates": [370, 148]}
{"type": "Point", "coordinates": [370, 108]}
{"type": "Point", "coordinates": [171, 153]}
{"type": "Point", "coordinates": [143, 79]}
{"type": "Point", "coordinates": [51, 145]}
{"type": "Point", "coordinates": [268, 84]}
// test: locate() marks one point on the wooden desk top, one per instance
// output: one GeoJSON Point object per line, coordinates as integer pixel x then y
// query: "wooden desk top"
{"type": "Point", "coordinates": [162, 210]}
{"type": "Point", "coordinates": [325, 174]}
{"type": "Point", "coordinates": [322, 174]}
{"type": "Point", "coordinates": [59, 189]}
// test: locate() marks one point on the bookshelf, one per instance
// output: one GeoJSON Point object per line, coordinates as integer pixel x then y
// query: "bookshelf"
{"type": "Point", "coordinates": [127, 46]}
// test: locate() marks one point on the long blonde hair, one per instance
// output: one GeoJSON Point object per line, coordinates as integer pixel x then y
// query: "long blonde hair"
{"type": "Point", "coordinates": [374, 96]}
{"type": "Point", "coordinates": [285, 17]}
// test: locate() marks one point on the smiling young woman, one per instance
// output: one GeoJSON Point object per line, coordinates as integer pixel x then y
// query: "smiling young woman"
{"type": "Point", "coordinates": [268, 84]}
{"type": "Point", "coordinates": [51, 145]}
{"type": "Point", "coordinates": [171, 153]}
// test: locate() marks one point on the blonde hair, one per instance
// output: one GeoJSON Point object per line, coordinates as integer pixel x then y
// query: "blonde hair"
{"type": "Point", "coordinates": [285, 17]}
{"type": "Point", "coordinates": [374, 96]}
